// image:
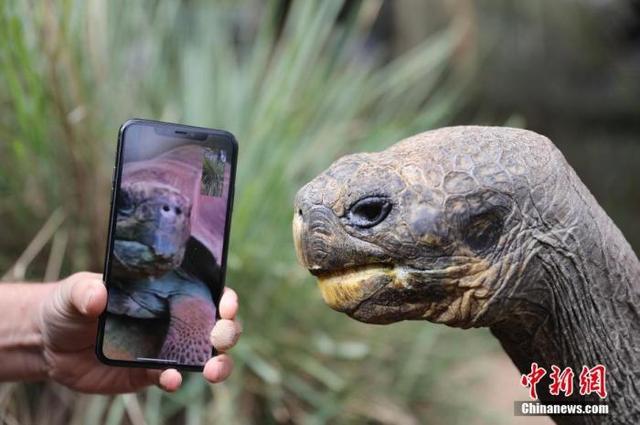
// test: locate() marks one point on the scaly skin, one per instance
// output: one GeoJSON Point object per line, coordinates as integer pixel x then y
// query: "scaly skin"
{"type": "Point", "coordinates": [474, 227]}
{"type": "Point", "coordinates": [169, 317]}
{"type": "Point", "coordinates": [187, 340]}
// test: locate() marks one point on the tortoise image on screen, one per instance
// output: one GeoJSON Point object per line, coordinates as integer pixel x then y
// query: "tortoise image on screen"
{"type": "Point", "coordinates": [475, 227]}
{"type": "Point", "coordinates": [160, 301]}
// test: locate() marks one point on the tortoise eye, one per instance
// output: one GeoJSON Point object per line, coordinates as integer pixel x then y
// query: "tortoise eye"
{"type": "Point", "coordinates": [369, 211]}
{"type": "Point", "coordinates": [125, 203]}
{"type": "Point", "coordinates": [483, 231]}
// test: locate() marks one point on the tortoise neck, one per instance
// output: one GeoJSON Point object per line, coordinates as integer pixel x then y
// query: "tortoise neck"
{"type": "Point", "coordinates": [586, 312]}
{"type": "Point", "coordinates": [187, 339]}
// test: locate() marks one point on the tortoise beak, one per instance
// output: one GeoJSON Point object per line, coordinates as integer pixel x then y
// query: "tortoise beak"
{"type": "Point", "coordinates": [346, 272]}
{"type": "Point", "coordinates": [319, 240]}
{"type": "Point", "coordinates": [298, 243]}
{"type": "Point", "coordinates": [297, 237]}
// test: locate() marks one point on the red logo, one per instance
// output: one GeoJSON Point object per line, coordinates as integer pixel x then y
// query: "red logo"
{"type": "Point", "coordinates": [531, 380]}
{"type": "Point", "coordinates": [591, 380]}
{"type": "Point", "coordinates": [562, 382]}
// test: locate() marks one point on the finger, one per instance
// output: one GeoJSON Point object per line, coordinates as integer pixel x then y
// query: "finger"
{"type": "Point", "coordinates": [169, 380]}
{"type": "Point", "coordinates": [218, 368]}
{"type": "Point", "coordinates": [82, 294]}
{"type": "Point", "coordinates": [225, 334]}
{"type": "Point", "coordinates": [229, 304]}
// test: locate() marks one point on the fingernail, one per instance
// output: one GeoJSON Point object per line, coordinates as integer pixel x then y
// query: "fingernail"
{"type": "Point", "coordinates": [87, 300]}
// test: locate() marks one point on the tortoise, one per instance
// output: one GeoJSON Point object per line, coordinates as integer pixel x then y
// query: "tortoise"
{"type": "Point", "coordinates": [476, 226]}
{"type": "Point", "coordinates": [160, 301]}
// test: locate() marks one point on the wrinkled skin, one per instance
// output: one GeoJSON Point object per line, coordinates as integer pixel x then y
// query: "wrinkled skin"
{"type": "Point", "coordinates": [480, 226]}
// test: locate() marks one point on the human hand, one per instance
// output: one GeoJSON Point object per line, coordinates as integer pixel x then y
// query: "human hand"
{"type": "Point", "coordinates": [67, 320]}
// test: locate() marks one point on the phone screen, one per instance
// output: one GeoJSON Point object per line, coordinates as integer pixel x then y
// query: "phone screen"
{"type": "Point", "coordinates": [168, 234]}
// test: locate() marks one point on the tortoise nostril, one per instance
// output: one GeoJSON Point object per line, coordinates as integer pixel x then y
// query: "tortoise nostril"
{"type": "Point", "coordinates": [166, 208]}
{"type": "Point", "coordinates": [178, 211]}
{"type": "Point", "coordinates": [300, 212]}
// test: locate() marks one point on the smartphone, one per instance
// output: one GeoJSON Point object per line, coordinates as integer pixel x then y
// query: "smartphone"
{"type": "Point", "coordinates": [172, 195]}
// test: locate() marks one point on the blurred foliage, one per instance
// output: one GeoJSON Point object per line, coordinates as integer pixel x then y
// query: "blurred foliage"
{"type": "Point", "coordinates": [212, 174]}
{"type": "Point", "coordinates": [298, 89]}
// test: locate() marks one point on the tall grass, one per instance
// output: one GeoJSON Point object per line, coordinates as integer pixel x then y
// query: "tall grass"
{"type": "Point", "coordinates": [296, 97]}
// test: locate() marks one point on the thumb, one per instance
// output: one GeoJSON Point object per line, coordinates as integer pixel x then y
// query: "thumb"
{"type": "Point", "coordinates": [81, 296]}
{"type": "Point", "coordinates": [69, 315]}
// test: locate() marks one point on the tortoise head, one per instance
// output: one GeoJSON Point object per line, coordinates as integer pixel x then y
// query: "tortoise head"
{"type": "Point", "coordinates": [152, 229]}
{"type": "Point", "coordinates": [437, 227]}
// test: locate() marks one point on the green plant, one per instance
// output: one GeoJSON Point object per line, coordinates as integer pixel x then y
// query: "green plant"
{"type": "Point", "coordinates": [296, 99]}
{"type": "Point", "coordinates": [212, 176]}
